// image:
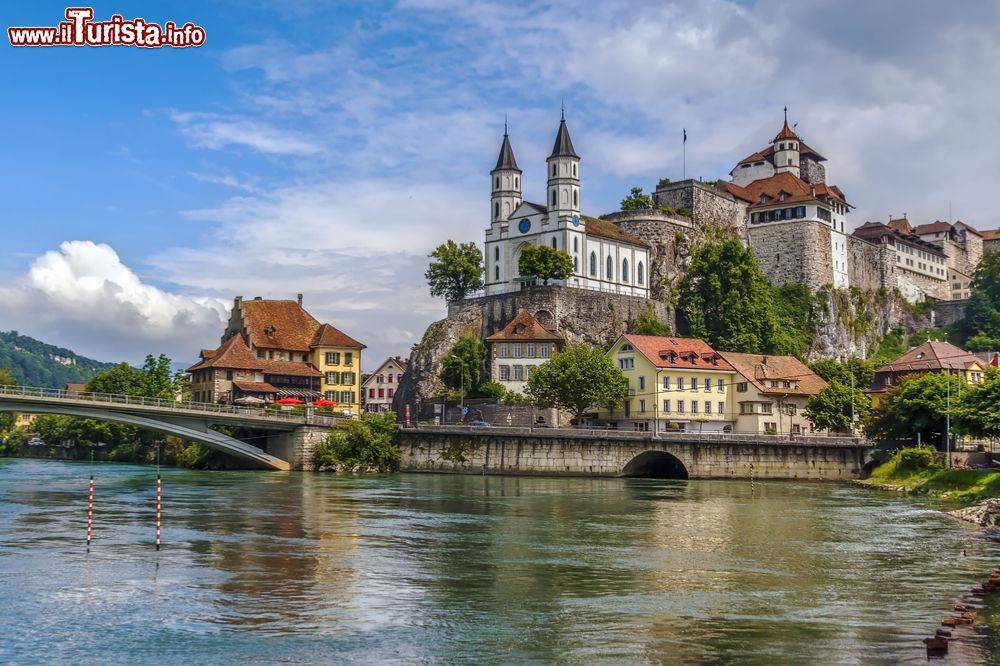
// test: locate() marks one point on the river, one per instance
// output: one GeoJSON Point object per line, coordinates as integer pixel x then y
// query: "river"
{"type": "Point", "coordinates": [265, 567]}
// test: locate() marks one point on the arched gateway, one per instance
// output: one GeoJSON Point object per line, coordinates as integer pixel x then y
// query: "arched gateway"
{"type": "Point", "coordinates": [656, 465]}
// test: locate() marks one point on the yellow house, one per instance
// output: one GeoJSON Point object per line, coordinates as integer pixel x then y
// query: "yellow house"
{"type": "Point", "coordinates": [673, 384]}
{"type": "Point", "coordinates": [932, 356]}
{"type": "Point", "coordinates": [338, 356]}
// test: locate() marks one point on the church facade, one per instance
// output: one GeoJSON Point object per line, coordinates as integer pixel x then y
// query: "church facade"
{"type": "Point", "coordinates": [605, 258]}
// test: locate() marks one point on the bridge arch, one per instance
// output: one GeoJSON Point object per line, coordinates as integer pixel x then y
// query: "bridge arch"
{"type": "Point", "coordinates": [655, 465]}
{"type": "Point", "coordinates": [191, 429]}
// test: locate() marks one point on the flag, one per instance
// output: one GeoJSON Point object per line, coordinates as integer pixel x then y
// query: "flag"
{"type": "Point", "coordinates": [685, 136]}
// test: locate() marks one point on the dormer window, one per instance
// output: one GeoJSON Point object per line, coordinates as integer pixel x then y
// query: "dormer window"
{"type": "Point", "coordinates": [763, 198]}
{"type": "Point", "coordinates": [782, 196]}
{"type": "Point", "coordinates": [626, 348]}
{"type": "Point", "coordinates": [269, 330]}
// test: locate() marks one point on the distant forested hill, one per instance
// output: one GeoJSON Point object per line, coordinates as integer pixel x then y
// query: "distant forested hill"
{"type": "Point", "coordinates": [35, 363]}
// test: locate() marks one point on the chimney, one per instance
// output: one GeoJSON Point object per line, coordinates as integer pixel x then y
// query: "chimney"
{"type": "Point", "coordinates": [299, 299]}
{"type": "Point", "coordinates": [765, 360]}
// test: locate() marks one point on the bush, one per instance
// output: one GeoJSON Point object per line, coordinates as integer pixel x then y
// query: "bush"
{"type": "Point", "coordinates": [359, 446]}
{"type": "Point", "coordinates": [916, 459]}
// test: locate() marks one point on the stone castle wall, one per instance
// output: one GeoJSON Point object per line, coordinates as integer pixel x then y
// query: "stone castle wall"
{"type": "Point", "coordinates": [669, 239]}
{"type": "Point", "coordinates": [948, 313]}
{"type": "Point", "coordinates": [796, 252]}
{"type": "Point", "coordinates": [870, 266]}
{"type": "Point", "coordinates": [812, 171]}
{"type": "Point", "coordinates": [710, 207]}
{"type": "Point", "coordinates": [916, 287]}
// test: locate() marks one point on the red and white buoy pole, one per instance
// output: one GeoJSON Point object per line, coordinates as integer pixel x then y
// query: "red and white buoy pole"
{"type": "Point", "coordinates": [158, 489]}
{"type": "Point", "coordinates": [90, 512]}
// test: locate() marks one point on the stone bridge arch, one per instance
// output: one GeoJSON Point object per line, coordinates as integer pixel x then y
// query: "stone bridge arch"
{"type": "Point", "coordinates": [655, 465]}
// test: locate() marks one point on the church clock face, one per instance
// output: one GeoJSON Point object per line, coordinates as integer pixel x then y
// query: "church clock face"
{"type": "Point", "coordinates": [524, 226]}
{"type": "Point", "coordinates": [576, 220]}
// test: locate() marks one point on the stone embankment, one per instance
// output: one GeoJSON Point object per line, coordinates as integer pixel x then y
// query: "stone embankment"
{"type": "Point", "coordinates": [985, 514]}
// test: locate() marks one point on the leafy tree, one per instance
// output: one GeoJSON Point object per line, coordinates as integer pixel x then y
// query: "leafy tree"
{"type": "Point", "coordinates": [793, 310]}
{"type": "Point", "coordinates": [636, 200]}
{"type": "Point", "coordinates": [576, 379]}
{"type": "Point", "coordinates": [726, 300]}
{"type": "Point", "coordinates": [978, 412]}
{"type": "Point", "coordinates": [462, 367]}
{"type": "Point", "coordinates": [831, 408]}
{"type": "Point", "coordinates": [363, 445]}
{"type": "Point", "coordinates": [981, 326]}
{"type": "Point", "coordinates": [122, 379]}
{"type": "Point", "coordinates": [648, 324]}
{"type": "Point", "coordinates": [919, 404]}
{"type": "Point", "coordinates": [544, 263]}
{"type": "Point", "coordinates": [491, 390]}
{"type": "Point", "coordinates": [6, 418]}
{"type": "Point", "coordinates": [455, 271]}
{"type": "Point", "coordinates": [835, 371]}
{"type": "Point", "coordinates": [663, 181]}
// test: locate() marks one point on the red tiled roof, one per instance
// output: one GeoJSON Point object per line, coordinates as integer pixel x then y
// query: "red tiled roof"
{"type": "Point", "coordinates": [231, 354]}
{"type": "Point", "coordinates": [932, 228]}
{"type": "Point", "coordinates": [279, 325]}
{"type": "Point", "coordinates": [875, 231]}
{"type": "Point", "coordinates": [206, 353]}
{"type": "Point", "coordinates": [795, 189]}
{"type": "Point", "coordinates": [611, 231]}
{"type": "Point", "coordinates": [991, 235]}
{"type": "Point", "coordinates": [255, 387]}
{"type": "Point", "coordinates": [524, 327]}
{"type": "Point", "coordinates": [786, 133]}
{"type": "Point", "coordinates": [753, 157]}
{"type": "Point", "coordinates": [901, 224]}
{"type": "Point", "coordinates": [292, 368]}
{"type": "Point", "coordinates": [757, 368]}
{"type": "Point", "coordinates": [328, 336]}
{"type": "Point", "coordinates": [687, 353]}
{"type": "Point", "coordinates": [932, 355]}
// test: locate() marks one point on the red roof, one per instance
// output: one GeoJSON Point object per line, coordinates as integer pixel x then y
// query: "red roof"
{"type": "Point", "coordinates": [932, 228]}
{"type": "Point", "coordinates": [991, 235]}
{"type": "Point", "coordinates": [758, 369]}
{"type": "Point", "coordinates": [685, 353]}
{"type": "Point", "coordinates": [932, 355]}
{"type": "Point", "coordinates": [279, 325]}
{"type": "Point", "coordinates": [795, 189]}
{"type": "Point", "coordinates": [255, 387]}
{"type": "Point", "coordinates": [233, 354]}
{"type": "Point", "coordinates": [524, 327]}
{"type": "Point", "coordinates": [328, 336]}
{"type": "Point", "coordinates": [901, 224]}
{"type": "Point", "coordinates": [786, 133]}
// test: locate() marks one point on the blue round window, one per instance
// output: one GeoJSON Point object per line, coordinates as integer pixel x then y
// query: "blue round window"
{"type": "Point", "coordinates": [576, 220]}
{"type": "Point", "coordinates": [524, 226]}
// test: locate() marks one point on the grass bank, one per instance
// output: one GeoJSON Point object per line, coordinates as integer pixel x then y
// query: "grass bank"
{"type": "Point", "coordinates": [921, 471]}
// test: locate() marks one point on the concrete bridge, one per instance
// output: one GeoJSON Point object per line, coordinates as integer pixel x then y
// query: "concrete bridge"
{"type": "Point", "coordinates": [675, 455]}
{"type": "Point", "coordinates": [286, 443]}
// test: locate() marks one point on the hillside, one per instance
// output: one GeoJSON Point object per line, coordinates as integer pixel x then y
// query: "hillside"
{"type": "Point", "coordinates": [34, 363]}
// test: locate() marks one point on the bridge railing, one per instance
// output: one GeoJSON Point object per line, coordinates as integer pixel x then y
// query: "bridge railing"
{"type": "Point", "coordinates": [173, 405]}
{"type": "Point", "coordinates": [685, 435]}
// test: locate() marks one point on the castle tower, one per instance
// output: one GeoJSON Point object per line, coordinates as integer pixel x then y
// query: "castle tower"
{"type": "Point", "coordinates": [786, 149]}
{"type": "Point", "coordinates": [564, 177]}
{"type": "Point", "coordinates": [506, 182]}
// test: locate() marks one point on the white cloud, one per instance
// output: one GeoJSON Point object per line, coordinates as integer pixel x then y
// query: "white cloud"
{"type": "Point", "coordinates": [208, 130]}
{"type": "Point", "coordinates": [84, 297]}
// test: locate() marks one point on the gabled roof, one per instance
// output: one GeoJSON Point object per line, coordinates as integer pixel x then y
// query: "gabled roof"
{"type": "Point", "coordinates": [991, 235]}
{"type": "Point", "coordinates": [797, 190]}
{"type": "Point", "coordinates": [328, 336]}
{"type": "Point", "coordinates": [524, 327]}
{"type": "Point", "coordinates": [255, 387]}
{"type": "Point", "coordinates": [875, 231]}
{"type": "Point", "coordinates": [758, 369]}
{"type": "Point", "coordinates": [291, 368]}
{"type": "Point", "coordinates": [611, 231]}
{"type": "Point", "coordinates": [506, 158]}
{"type": "Point", "coordinates": [563, 146]}
{"type": "Point", "coordinates": [932, 228]}
{"type": "Point", "coordinates": [279, 325]}
{"type": "Point", "coordinates": [932, 355]}
{"type": "Point", "coordinates": [539, 208]}
{"type": "Point", "coordinates": [233, 354]}
{"type": "Point", "coordinates": [968, 227]}
{"type": "Point", "coordinates": [687, 353]}
{"type": "Point", "coordinates": [900, 224]}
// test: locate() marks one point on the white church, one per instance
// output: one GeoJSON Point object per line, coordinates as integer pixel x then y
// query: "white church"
{"type": "Point", "coordinates": [605, 258]}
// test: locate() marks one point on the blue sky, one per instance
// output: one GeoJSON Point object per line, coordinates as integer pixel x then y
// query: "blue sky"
{"type": "Point", "coordinates": [326, 148]}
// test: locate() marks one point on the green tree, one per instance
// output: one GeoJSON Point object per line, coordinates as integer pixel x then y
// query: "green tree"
{"type": "Point", "coordinates": [636, 200]}
{"type": "Point", "coordinates": [363, 445]}
{"type": "Point", "coordinates": [919, 404]}
{"type": "Point", "coordinates": [462, 367]}
{"type": "Point", "coordinates": [835, 371]}
{"type": "Point", "coordinates": [831, 407]}
{"type": "Point", "coordinates": [647, 323]}
{"type": "Point", "coordinates": [978, 411]}
{"type": "Point", "coordinates": [726, 300]}
{"type": "Point", "coordinates": [981, 326]}
{"type": "Point", "coordinates": [122, 379]}
{"type": "Point", "coordinates": [793, 310]}
{"type": "Point", "coordinates": [544, 263]}
{"type": "Point", "coordinates": [577, 378]}
{"type": "Point", "coordinates": [7, 419]}
{"type": "Point", "coordinates": [455, 271]}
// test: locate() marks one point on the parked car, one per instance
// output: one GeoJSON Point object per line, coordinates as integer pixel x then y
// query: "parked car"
{"type": "Point", "coordinates": [478, 424]}
{"type": "Point", "coordinates": [36, 441]}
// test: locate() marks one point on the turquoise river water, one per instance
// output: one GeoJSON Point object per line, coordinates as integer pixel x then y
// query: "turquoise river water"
{"type": "Point", "coordinates": [292, 568]}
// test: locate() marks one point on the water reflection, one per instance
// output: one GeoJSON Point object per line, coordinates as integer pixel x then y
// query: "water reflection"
{"type": "Point", "coordinates": [467, 568]}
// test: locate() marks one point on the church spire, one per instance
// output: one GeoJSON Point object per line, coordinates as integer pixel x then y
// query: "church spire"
{"type": "Point", "coordinates": [506, 159]}
{"type": "Point", "coordinates": [564, 145]}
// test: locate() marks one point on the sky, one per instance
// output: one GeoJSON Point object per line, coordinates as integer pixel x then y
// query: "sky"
{"type": "Point", "coordinates": [325, 148]}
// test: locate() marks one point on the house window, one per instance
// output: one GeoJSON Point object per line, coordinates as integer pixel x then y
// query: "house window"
{"type": "Point", "coordinates": [642, 383]}
{"type": "Point", "coordinates": [553, 243]}
{"type": "Point", "coordinates": [348, 358]}
{"type": "Point", "coordinates": [741, 387]}
{"type": "Point", "coordinates": [381, 379]}
{"type": "Point", "coordinates": [371, 393]}
{"type": "Point", "coordinates": [518, 373]}
{"type": "Point", "coordinates": [388, 378]}
{"type": "Point", "coordinates": [708, 406]}
{"type": "Point", "coordinates": [666, 383]}
{"type": "Point", "coordinates": [694, 406]}
{"type": "Point", "coordinates": [626, 363]}
{"type": "Point", "coordinates": [694, 383]}
{"type": "Point", "coordinates": [529, 349]}
{"type": "Point", "coordinates": [680, 383]}
{"type": "Point", "coordinates": [517, 350]}
{"type": "Point", "coordinates": [642, 406]}
{"type": "Point", "coordinates": [680, 406]}
{"type": "Point", "coordinates": [708, 384]}
{"type": "Point", "coordinates": [229, 375]}
{"type": "Point", "coordinates": [543, 350]}
{"type": "Point", "coordinates": [609, 269]}
{"type": "Point", "coordinates": [331, 378]}
{"type": "Point", "coordinates": [504, 351]}
{"type": "Point", "coordinates": [576, 244]}
{"type": "Point", "coordinates": [504, 372]}
{"type": "Point", "coordinates": [666, 406]}
{"type": "Point", "coordinates": [593, 264]}
{"type": "Point", "coordinates": [381, 393]}
{"type": "Point", "coordinates": [333, 358]}
{"type": "Point", "coordinates": [721, 385]}
{"type": "Point", "coordinates": [639, 273]}
{"type": "Point", "coordinates": [722, 407]}
{"type": "Point", "coordinates": [765, 408]}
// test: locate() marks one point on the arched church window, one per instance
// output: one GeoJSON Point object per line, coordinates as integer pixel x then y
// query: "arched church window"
{"type": "Point", "coordinates": [624, 270]}
{"type": "Point", "coordinates": [639, 273]}
{"type": "Point", "coordinates": [576, 244]}
{"type": "Point", "coordinates": [496, 254]}
{"type": "Point", "coordinates": [576, 198]}
{"type": "Point", "coordinates": [593, 264]}
{"type": "Point", "coordinates": [553, 243]}
{"type": "Point", "coordinates": [496, 272]}
{"type": "Point", "coordinates": [496, 210]}
{"type": "Point", "coordinates": [609, 269]}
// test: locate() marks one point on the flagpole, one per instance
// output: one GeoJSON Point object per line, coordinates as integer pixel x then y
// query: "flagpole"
{"type": "Point", "coordinates": [684, 145]}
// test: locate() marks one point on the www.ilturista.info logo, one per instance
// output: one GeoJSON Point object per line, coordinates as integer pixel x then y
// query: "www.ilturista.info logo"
{"type": "Point", "coordinates": [81, 30]}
